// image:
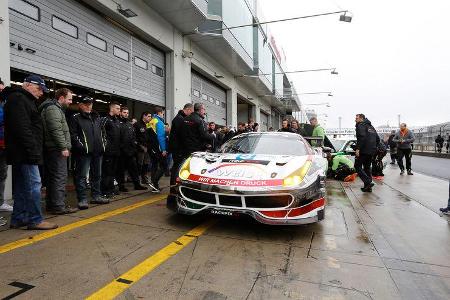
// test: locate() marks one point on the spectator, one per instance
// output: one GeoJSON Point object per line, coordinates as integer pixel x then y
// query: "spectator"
{"type": "Point", "coordinates": [3, 165]}
{"type": "Point", "coordinates": [23, 139]}
{"type": "Point", "coordinates": [196, 136]}
{"type": "Point", "coordinates": [448, 142]}
{"type": "Point", "coordinates": [88, 146]}
{"type": "Point", "coordinates": [446, 210]}
{"type": "Point", "coordinates": [228, 134]}
{"type": "Point", "coordinates": [57, 146]}
{"type": "Point", "coordinates": [128, 146]}
{"type": "Point", "coordinates": [241, 128]}
{"type": "Point", "coordinates": [285, 126]}
{"type": "Point", "coordinates": [392, 147]}
{"type": "Point", "coordinates": [295, 127]}
{"type": "Point", "coordinates": [439, 143]}
{"type": "Point", "coordinates": [177, 143]}
{"type": "Point", "coordinates": [217, 137]}
{"type": "Point", "coordinates": [367, 140]}
{"type": "Point", "coordinates": [271, 129]}
{"type": "Point", "coordinates": [318, 132]}
{"type": "Point", "coordinates": [255, 127]}
{"type": "Point", "coordinates": [110, 162]}
{"type": "Point", "coordinates": [143, 141]}
{"type": "Point", "coordinates": [404, 137]}
{"type": "Point", "coordinates": [158, 153]}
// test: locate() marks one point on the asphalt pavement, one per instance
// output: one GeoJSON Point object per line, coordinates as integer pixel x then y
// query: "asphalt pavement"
{"type": "Point", "coordinates": [431, 166]}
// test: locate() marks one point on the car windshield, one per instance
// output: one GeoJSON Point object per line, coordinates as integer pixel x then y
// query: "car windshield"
{"type": "Point", "coordinates": [338, 144]}
{"type": "Point", "coordinates": [271, 144]}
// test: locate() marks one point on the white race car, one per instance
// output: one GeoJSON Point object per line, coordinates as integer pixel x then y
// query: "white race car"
{"type": "Point", "coordinates": [275, 177]}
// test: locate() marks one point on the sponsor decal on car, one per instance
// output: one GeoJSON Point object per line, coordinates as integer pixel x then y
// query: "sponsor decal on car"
{"type": "Point", "coordinates": [234, 182]}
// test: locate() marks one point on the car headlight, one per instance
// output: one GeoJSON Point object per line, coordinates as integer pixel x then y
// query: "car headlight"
{"type": "Point", "coordinates": [185, 170]}
{"type": "Point", "coordinates": [296, 177]}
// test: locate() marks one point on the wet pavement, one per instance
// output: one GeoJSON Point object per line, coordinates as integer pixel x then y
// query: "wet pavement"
{"type": "Point", "coordinates": [390, 244]}
{"type": "Point", "coordinates": [432, 166]}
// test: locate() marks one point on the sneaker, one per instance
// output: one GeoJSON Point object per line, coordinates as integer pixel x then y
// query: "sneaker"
{"type": "Point", "coordinates": [100, 200]}
{"type": "Point", "coordinates": [83, 205]}
{"type": "Point", "coordinates": [44, 225]}
{"type": "Point", "coordinates": [410, 172]}
{"type": "Point", "coordinates": [350, 178]}
{"type": "Point", "coordinates": [366, 189]}
{"type": "Point", "coordinates": [445, 210]}
{"type": "Point", "coordinates": [402, 172]}
{"type": "Point", "coordinates": [18, 225]}
{"type": "Point", "coordinates": [372, 184]}
{"type": "Point", "coordinates": [65, 211]}
{"type": "Point", "coordinates": [6, 207]}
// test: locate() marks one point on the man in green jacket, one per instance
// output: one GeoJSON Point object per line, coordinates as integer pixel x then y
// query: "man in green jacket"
{"type": "Point", "coordinates": [57, 147]}
{"type": "Point", "coordinates": [318, 131]}
{"type": "Point", "coordinates": [341, 168]}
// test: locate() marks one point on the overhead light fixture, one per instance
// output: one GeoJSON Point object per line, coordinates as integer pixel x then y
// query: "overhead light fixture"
{"type": "Point", "coordinates": [345, 18]}
{"type": "Point", "coordinates": [334, 72]}
{"type": "Point", "coordinates": [127, 13]}
{"type": "Point", "coordinates": [218, 75]}
{"type": "Point", "coordinates": [249, 98]}
{"type": "Point", "coordinates": [330, 95]}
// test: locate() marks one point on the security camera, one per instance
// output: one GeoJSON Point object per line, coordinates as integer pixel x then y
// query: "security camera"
{"type": "Point", "coordinates": [188, 54]}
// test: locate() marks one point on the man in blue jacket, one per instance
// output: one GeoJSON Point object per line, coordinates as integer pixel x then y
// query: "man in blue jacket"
{"type": "Point", "coordinates": [158, 148]}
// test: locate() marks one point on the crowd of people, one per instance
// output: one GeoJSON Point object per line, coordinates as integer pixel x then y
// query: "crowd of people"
{"type": "Point", "coordinates": [103, 149]}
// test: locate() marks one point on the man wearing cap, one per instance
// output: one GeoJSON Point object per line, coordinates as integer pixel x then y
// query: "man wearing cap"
{"type": "Point", "coordinates": [24, 138]}
{"type": "Point", "coordinates": [88, 146]}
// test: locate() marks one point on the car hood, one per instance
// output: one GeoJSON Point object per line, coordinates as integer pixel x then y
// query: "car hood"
{"type": "Point", "coordinates": [250, 170]}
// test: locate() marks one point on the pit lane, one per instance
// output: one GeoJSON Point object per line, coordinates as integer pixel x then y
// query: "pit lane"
{"type": "Point", "coordinates": [390, 244]}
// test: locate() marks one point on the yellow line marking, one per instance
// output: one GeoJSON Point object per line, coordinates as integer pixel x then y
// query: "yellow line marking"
{"type": "Point", "coordinates": [127, 279]}
{"type": "Point", "coordinates": [42, 236]}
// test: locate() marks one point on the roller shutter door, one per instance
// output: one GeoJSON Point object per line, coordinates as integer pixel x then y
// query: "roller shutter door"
{"type": "Point", "coordinates": [264, 120]}
{"type": "Point", "coordinates": [70, 42]}
{"type": "Point", "coordinates": [212, 95]}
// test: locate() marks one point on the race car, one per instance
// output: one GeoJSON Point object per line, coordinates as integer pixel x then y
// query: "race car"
{"type": "Point", "coordinates": [275, 177]}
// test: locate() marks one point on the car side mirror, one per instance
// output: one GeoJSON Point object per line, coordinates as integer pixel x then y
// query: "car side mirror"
{"type": "Point", "coordinates": [326, 149]}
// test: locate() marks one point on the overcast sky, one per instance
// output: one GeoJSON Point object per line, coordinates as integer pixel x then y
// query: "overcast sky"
{"type": "Point", "coordinates": [393, 58]}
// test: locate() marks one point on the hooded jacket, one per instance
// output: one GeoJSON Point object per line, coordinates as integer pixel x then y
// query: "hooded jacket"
{"type": "Point", "coordinates": [23, 128]}
{"type": "Point", "coordinates": [367, 138]}
{"type": "Point", "coordinates": [128, 144]}
{"type": "Point", "coordinates": [157, 124]}
{"type": "Point", "coordinates": [88, 137]}
{"type": "Point", "coordinates": [56, 130]}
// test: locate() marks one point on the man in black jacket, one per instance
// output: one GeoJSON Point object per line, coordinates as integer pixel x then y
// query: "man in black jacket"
{"type": "Point", "coordinates": [176, 141]}
{"type": "Point", "coordinates": [143, 140]}
{"type": "Point", "coordinates": [367, 140]}
{"type": "Point", "coordinates": [88, 146]}
{"type": "Point", "coordinates": [127, 161]}
{"type": "Point", "coordinates": [195, 134]}
{"type": "Point", "coordinates": [24, 146]}
{"type": "Point", "coordinates": [111, 126]}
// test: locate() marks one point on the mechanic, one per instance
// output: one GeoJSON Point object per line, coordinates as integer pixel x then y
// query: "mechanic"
{"type": "Point", "coordinates": [318, 131]}
{"type": "Point", "coordinates": [340, 168]}
{"type": "Point", "coordinates": [367, 140]}
{"type": "Point", "coordinates": [195, 133]}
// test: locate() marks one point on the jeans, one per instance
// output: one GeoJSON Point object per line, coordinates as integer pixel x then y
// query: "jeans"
{"type": "Point", "coordinates": [83, 165]}
{"type": "Point", "coordinates": [3, 174]}
{"type": "Point", "coordinates": [448, 205]}
{"type": "Point", "coordinates": [56, 178]}
{"type": "Point", "coordinates": [109, 172]}
{"type": "Point", "coordinates": [362, 166]}
{"type": "Point", "coordinates": [26, 194]}
{"type": "Point", "coordinates": [407, 153]}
